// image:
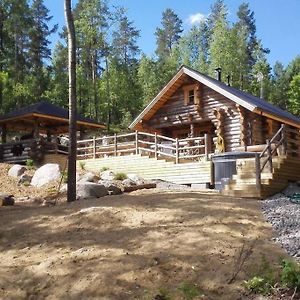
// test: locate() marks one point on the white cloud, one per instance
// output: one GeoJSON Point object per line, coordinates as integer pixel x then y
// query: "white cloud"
{"type": "Point", "coordinates": [196, 18]}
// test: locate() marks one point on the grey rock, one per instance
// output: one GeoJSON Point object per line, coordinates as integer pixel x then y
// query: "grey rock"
{"type": "Point", "coordinates": [6, 200]}
{"type": "Point", "coordinates": [136, 178]}
{"type": "Point", "coordinates": [88, 177]}
{"type": "Point", "coordinates": [285, 219]}
{"type": "Point", "coordinates": [87, 190]}
{"type": "Point", "coordinates": [16, 171]}
{"type": "Point", "coordinates": [107, 175]}
{"type": "Point", "coordinates": [128, 182]}
{"type": "Point", "coordinates": [114, 187]}
{"type": "Point", "coordinates": [46, 174]}
{"type": "Point", "coordinates": [24, 178]}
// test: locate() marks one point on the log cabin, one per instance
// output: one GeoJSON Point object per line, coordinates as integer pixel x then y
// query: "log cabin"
{"type": "Point", "coordinates": [213, 135]}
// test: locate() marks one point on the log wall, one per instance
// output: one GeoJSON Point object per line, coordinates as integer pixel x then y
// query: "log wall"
{"type": "Point", "coordinates": [174, 113]}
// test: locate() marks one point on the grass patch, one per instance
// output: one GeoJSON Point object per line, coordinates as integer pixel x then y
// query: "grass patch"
{"type": "Point", "coordinates": [104, 169]}
{"type": "Point", "coordinates": [120, 176]}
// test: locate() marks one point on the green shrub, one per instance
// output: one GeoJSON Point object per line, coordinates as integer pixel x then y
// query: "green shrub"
{"type": "Point", "coordinates": [188, 290]}
{"type": "Point", "coordinates": [29, 163]}
{"type": "Point", "coordinates": [258, 285]}
{"type": "Point", "coordinates": [64, 177]}
{"type": "Point", "coordinates": [120, 176]}
{"type": "Point", "coordinates": [104, 169]}
{"type": "Point", "coordinates": [290, 274]}
{"type": "Point", "coordinates": [262, 279]}
{"type": "Point", "coordinates": [81, 165]}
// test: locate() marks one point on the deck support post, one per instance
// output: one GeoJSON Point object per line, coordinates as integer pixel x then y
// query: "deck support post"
{"type": "Point", "coordinates": [136, 142]}
{"type": "Point", "coordinates": [269, 156]}
{"type": "Point", "coordinates": [155, 145]}
{"type": "Point", "coordinates": [177, 151]}
{"type": "Point", "coordinates": [284, 142]}
{"type": "Point", "coordinates": [257, 173]}
{"type": "Point", "coordinates": [115, 145]}
{"type": "Point", "coordinates": [94, 147]}
{"type": "Point", "coordinates": [206, 148]}
{"type": "Point", "coordinates": [4, 134]}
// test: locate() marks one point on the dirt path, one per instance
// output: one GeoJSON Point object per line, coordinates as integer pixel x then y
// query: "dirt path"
{"type": "Point", "coordinates": [131, 246]}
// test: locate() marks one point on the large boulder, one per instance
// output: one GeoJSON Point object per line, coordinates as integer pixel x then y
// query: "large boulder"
{"type": "Point", "coordinates": [107, 175]}
{"type": "Point", "coordinates": [88, 177]}
{"type": "Point", "coordinates": [128, 183]}
{"type": "Point", "coordinates": [87, 190]}
{"type": "Point", "coordinates": [6, 200]}
{"type": "Point", "coordinates": [136, 179]}
{"type": "Point", "coordinates": [16, 171]}
{"type": "Point", "coordinates": [114, 187]}
{"type": "Point", "coordinates": [46, 174]}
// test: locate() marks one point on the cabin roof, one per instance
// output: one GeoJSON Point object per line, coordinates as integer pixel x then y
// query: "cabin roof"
{"type": "Point", "coordinates": [246, 100]}
{"type": "Point", "coordinates": [47, 112]}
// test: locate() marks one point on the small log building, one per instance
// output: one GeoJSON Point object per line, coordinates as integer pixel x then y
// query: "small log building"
{"type": "Point", "coordinates": [38, 126]}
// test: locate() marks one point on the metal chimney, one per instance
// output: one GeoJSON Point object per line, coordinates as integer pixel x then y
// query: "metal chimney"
{"type": "Point", "coordinates": [218, 74]}
{"type": "Point", "coordinates": [228, 80]}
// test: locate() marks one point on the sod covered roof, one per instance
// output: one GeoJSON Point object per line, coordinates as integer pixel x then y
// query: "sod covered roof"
{"type": "Point", "coordinates": [48, 117]}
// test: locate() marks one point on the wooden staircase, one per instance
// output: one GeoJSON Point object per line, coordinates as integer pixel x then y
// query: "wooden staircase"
{"type": "Point", "coordinates": [152, 168]}
{"type": "Point", "coordinates": [243, 184]}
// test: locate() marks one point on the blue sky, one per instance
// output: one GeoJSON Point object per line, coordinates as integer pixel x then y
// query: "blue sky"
{"type": "Point", "coordinates": [278, 21]}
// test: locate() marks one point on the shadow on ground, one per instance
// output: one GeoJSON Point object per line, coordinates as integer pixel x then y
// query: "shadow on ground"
{"type": "Point", "coordinates": [132, 247]}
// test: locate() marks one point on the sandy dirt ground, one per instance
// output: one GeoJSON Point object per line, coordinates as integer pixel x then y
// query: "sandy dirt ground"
{"type": "Point", "coordinates": [134, 246]}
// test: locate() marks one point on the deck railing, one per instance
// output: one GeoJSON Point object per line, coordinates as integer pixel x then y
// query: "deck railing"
{"type": "Point", "coordinates": [22, 150]}
{"type": "Point", "coordinates": [145, 143]}
{"type": "Point", "coordinates": [276, 144]}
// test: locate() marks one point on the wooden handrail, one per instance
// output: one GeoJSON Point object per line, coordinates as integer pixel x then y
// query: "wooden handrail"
{"type": "Point", "coordinates": [136, 143]}
{"type": "Point", "coordinates": [270, 152]}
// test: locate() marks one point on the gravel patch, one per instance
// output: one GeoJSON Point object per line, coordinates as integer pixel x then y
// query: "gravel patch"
{"type": "Point", "coordinates": [285, 219]}
{"type": "Point", "coordinates": [165, 185]}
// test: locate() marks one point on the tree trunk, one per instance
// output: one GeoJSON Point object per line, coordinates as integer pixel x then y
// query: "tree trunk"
{"type": "Point", "coordinates": [72, 102]}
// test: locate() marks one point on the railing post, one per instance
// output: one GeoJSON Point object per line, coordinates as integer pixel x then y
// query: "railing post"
{"type": "Point", "coordinates": [270, 156]}
{"type": "Point", "coordinates": [155, 145]}
{"type": "Point", "coordinates": [206, 146]}
{"type": "Point", "coordinates": [136, 142]}
{"type": "Point", "coordinates": [94, 147]}
{"type": "Point", "coordinates": [56, 145]}
{"type": "Point", "coordinates": [257, 172]}
{"type": "Point", "coordinates": [115, 145]}
{"type": "Point", "coordinates": [177, 151]}
{"type": "Point", "coordinates": [284, 141]}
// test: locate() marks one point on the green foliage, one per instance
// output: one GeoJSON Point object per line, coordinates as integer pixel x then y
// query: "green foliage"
{"type": "Point", "coordinates": [168, 34]}
{"type": "Point", "coordinates": [30, 163]}
{"type": "Point", "coordinates": [189, 290]}
{"type": "Point", "coordinates": [81, 165]}
{"type": "Point", "coordinates": [120, 176]}
{"type": "Point", "coordinates": [258, 285]}
{"type": "Point", "coordinates": [264, 278]}
{"type": "Point", "coordinates": [113, 82]}
{"type": "Point", "coordinates": [64, 176]}
{"type": "Point", "coordinates": [104, 169]}
{"type": "Point", "coordinates": [294, 95]}
{"type": "Point", "coordinates": [290, 274]}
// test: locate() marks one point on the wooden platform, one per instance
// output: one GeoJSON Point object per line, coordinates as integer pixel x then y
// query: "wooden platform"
{"type": "Point", "coordinates": [243, 184]}
{"type": "Point", "coordinates": [152, 168]}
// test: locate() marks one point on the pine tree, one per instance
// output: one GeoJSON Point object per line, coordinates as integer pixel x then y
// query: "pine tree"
{"type": "Point", "coordinates": [39, 47]}
{"type": "Point", "coordinates": [294, 95]}
{"type": "Point", "coordinates": [124, 43]}
{"type": "Point", "coordinates": [169, 34]}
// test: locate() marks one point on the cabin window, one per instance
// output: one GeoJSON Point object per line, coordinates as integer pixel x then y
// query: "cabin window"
{"type": "Point", "coordinates": [191, 99]}
{"type": "Point", "coordinates": [191, 94]}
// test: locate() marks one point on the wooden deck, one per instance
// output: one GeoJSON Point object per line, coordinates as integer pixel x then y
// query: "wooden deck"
{"type": "Point", "coordinates": [35, 149]}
